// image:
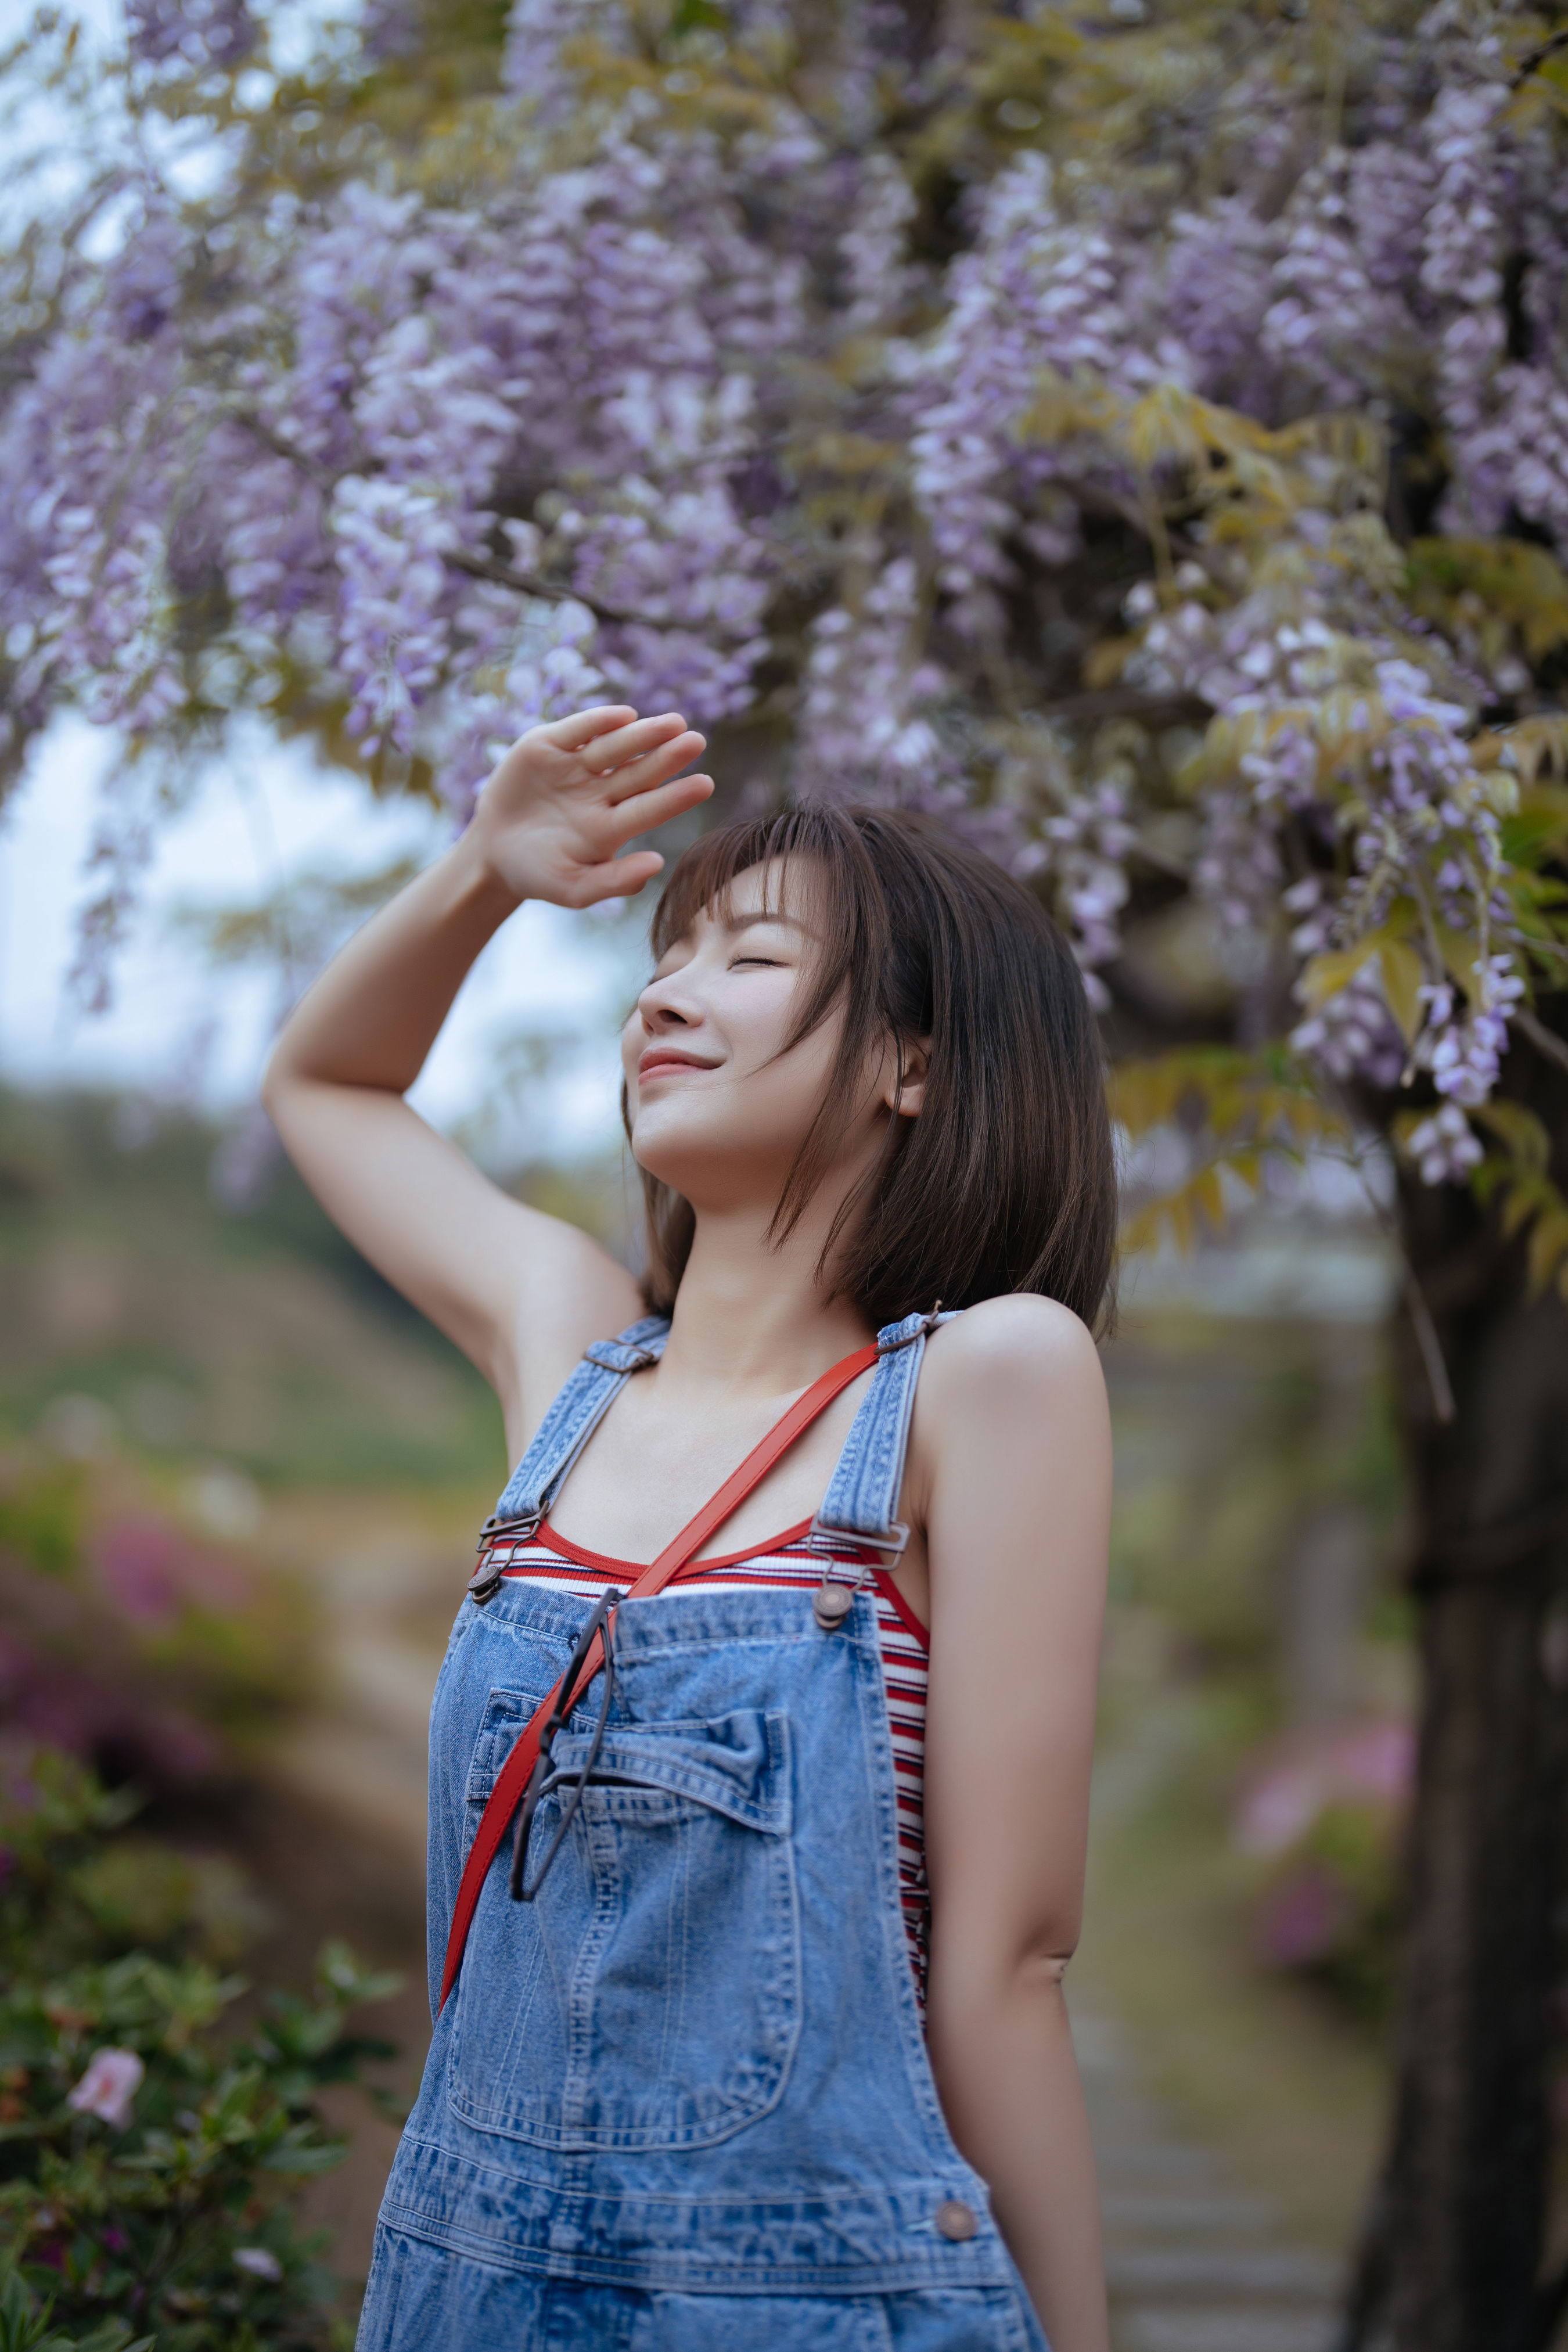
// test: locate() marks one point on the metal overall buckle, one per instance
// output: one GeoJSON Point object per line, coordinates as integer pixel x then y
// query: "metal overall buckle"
{"type": "Point", "coordinates": [485, 1581]}
{"type": "Point", "coordinates": [833, 1598]}
{"type": "Point", "coordinates": [922, 1330]}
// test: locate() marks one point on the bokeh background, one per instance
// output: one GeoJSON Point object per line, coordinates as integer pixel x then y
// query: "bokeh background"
{"type": "Point", "coordinates": [259, 1477]}
{"type": "Point", "coordinates": [1136, 433]}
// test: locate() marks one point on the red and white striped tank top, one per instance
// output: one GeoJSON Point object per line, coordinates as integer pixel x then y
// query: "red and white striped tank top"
{"type": "Point", "coordinates": [554, 1560]}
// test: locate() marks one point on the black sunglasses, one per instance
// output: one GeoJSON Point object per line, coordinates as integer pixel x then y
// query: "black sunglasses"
{"type": "Point", "coordinates": [541, 1780]}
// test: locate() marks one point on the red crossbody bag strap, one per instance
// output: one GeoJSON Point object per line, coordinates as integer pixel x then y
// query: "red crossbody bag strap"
{"type": "Point", "coordinates": [513, 1778]}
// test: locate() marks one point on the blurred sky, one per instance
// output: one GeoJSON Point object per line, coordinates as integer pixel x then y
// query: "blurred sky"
{"type": "Point", "coordinates": [260, 816]}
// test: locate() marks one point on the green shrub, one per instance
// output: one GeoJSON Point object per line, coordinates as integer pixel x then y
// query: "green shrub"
{"type": "Point", "coordinates": [152, 2145]}
{"type": "Point", "coordinates": [131, 1635]}
{"type": "Point", "coordinates": [27, 2325]}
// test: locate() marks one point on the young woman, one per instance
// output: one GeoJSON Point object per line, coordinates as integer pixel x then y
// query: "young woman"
{"type": "Point", "coordinates": [733, 2047]}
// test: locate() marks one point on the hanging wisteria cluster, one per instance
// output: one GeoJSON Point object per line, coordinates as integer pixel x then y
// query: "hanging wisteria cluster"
{"type": "Point", "coordinates": [861, 397]}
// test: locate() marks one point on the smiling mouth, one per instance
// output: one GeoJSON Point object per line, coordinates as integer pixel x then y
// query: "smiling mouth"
{"type": "Point", "coordinates": [654, 1065]}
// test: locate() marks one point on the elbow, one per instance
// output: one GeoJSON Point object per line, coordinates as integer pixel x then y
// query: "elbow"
{"type": "Point", "coordinates": [972, 1983]}
{"type": "Point", "coordinates": [1042, 1971]}
{"type": "Point", "coordinates": [281, 1084]}
{"type": "Point", "coordinates": [274, 1084]}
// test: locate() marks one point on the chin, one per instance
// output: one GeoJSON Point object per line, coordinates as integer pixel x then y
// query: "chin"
{"type": "Point", "coordinates": [702, 1156]}
{"type": "Point", "coordinates": [671, 1143]}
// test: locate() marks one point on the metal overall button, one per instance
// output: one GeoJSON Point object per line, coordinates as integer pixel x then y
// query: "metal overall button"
{"type": "Point", "coordinates": [831, 1604]}
{"type": "Point", "coordinates": [956, 2221]}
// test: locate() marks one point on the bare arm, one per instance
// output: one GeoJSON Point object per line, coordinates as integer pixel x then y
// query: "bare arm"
{"type": "Point", "coordinates": [1013, 1441]}
{"type": "Point", "coordinates": [551, 822]}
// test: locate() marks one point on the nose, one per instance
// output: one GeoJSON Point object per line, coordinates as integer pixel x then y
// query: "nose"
{"type": "Point", "coordinates": [664, 1005]}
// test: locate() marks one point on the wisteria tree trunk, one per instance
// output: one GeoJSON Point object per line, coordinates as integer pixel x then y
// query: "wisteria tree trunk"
{"type": "Point", "coordinates": [1452, 2261]}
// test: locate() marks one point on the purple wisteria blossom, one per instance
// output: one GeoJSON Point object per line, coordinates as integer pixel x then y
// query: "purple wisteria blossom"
{"type": "Point", "coordinates": [1038, 293]}
{"type": "Point", "coordinates": [192, 33]}
{"type": "Point", "coordinates": [685, 373]}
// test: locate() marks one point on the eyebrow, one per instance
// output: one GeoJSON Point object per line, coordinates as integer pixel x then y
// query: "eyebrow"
{"type": "Point", "coordinates": [744, 922]}
{"type": "Point", "coordinates": [738, 923]}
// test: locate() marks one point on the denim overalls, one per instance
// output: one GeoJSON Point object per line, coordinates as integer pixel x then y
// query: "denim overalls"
{"type": "Point", "coordinates": [681, 2102]}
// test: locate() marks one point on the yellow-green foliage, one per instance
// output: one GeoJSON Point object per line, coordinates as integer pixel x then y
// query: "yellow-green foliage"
{"type": "Point", "coordinates": [1241, 1109]}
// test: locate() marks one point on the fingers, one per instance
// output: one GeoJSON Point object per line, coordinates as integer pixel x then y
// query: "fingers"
{"type": "Point", "coordinates": [618, 878]}
{"type": "Point", "coordinates": [612, 752]}
{"type": "Point", "coordinates": [637, 776]}
{"type": "Point", "coordinates": [613, 741]}
{"type": "Point", "coordinates": [570, 734]}
{"type": "Point", "coordinates": [645, 811]}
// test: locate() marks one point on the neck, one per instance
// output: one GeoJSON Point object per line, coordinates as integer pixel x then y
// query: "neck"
{"type": "Point", "coordinates": [751, 1314]}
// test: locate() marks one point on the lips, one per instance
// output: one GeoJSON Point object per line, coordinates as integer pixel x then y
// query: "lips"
{"type": "Point", "coordinates": [660, 1059]}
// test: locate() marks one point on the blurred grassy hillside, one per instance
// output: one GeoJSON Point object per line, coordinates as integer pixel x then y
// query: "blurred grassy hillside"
{"type": "Point", "coordinates": [261, 1339]}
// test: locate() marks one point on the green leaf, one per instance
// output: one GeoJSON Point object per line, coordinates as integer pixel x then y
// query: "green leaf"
{"type": "Point", "coordinates": [1324, 975]}
{"type": "Point", "coordinates": [1404, 975]}
{"type": "Point", "coordinates": [1520, 1129]}
{"type": "Point", "coordinates": [303, 2159]}
{"type": "Point", "coordinates": [1524, 584]}
{"type": "Point", "coordinates": [1548, 1247]}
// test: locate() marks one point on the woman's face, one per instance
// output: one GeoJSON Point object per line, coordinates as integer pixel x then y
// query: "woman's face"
{"type": "Point", "coordinates": [717, 1108]}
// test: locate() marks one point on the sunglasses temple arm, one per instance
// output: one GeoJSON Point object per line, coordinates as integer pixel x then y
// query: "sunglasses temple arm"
{"type": "Point", "coordinates": [599, 1622]}
{"type": "Point", "coordinates": [524, 1819]}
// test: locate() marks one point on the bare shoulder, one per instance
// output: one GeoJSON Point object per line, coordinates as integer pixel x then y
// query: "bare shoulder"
{"type": "Point", "coordinates": [1020, 1344]}
{"type": "Point", "coordinates": [1011, 1438]}
{"type": "Point", "coordinates": [1011, 1391]}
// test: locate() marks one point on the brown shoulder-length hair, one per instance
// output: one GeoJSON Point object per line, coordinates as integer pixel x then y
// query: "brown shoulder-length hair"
{"type": "Point", "coordinates": [1005, 1181]}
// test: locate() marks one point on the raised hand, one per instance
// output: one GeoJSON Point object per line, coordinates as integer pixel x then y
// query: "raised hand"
{"type": "Point", "coordinates": [553, 819]}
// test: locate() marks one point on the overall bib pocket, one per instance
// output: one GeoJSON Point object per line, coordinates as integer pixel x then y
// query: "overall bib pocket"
{"type": "Point", "coordinates": [650, 1997]}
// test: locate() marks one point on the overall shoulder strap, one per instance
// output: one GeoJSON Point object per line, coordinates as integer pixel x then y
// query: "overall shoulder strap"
{"type": "Point", "coordinates": [862, 1495]}
{"type": "Point", "coordinates": [590, 1389]}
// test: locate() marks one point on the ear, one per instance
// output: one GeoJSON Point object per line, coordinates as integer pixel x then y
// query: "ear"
{"type": "Point", "coordinates": [908, 1099]}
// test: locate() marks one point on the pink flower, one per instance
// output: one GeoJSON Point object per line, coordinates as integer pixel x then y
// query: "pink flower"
{"type": "Point", "coordinates": [1279, 1807]}
{"type": "Point", "coordinates": [1376, 1760]}
{"type": "Point", "coordinates": [136, 1562]}
{"type": "Point", "coordinates": [148, 1570]}
{"type": "Point", "coordinates": [111, 2081]}
{"type": "Point", "coordinates": [1304, 1920]}
{"type": "Point", "coordinates": [258, 2262]}
{"type": "Point", "coordinates": [1358, 1764]}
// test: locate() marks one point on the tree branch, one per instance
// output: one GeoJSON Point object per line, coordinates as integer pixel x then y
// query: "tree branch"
{"type": "Point", "coordinates": [1545, 1041]}
{"type": "Point", "coordinates": [477, 567]}
{"type": "Point", "coordinates": [259, 430]}
{"type": "Point", "coordinates": [1430, 1346]}
{"type": "Point", "coordinates": [531, 584]}
{"type": "Point", "coordinates": [1127, 702]}
{"type": "Point", "coordinates": [1535, 58]}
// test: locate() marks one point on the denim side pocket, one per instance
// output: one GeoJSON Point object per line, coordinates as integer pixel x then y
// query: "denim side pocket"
{"type": "Point", "coordinates": [649, 1997]}
{"type": "Point", "coordinates": [508, 1714]}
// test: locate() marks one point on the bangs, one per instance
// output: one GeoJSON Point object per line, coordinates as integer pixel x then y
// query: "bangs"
{"type": "Point", "coordinates": [814, 861]}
